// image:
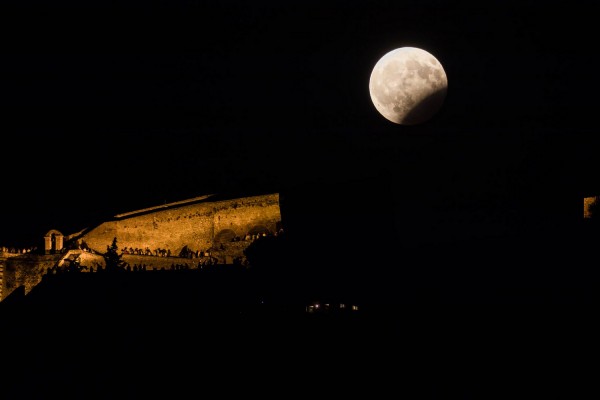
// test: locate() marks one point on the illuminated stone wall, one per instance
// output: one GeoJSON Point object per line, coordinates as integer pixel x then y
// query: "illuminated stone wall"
{"type": "Point", "coordinates": [195, 225]}
{"type": "Point", "coordinates": [26, 270]}
{"type": "Point", "coordinates": [5, 275]}
{"type": "Point", "coordinates": [588, 204]}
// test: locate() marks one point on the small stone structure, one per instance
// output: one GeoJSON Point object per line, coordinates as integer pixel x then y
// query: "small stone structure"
{"type": "Point", "coordinates": [589, 204]}
{"type": "Point", "coordinates": [53, 242]}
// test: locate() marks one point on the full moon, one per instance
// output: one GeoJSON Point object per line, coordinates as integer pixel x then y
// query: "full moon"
{"type": "Point", "coordinates": [408, 86]}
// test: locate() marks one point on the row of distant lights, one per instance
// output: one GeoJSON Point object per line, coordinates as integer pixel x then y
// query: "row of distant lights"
{"type": "Point", "coordinates": [318, 307]}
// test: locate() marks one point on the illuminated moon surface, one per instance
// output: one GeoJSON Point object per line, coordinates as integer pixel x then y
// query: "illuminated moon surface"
{"type": "Point", "coordinates": [408, 86]}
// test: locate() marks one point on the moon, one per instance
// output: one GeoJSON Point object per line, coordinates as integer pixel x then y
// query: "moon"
{"type": "Point", "coordinates": [408, 86]}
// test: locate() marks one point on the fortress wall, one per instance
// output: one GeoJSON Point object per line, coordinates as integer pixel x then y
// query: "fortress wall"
{"type": "Point", "coordinates": [26, 270]}
{"type": "Point", "coordinates": [193, 225]}
{"type": "Point", "coordinates": [241, 215]}
{"type": "Point", "coordinates": [101, 236]}
{"type": "Point", "coordinates": [4, 256]}
{"type": "Point", "coordinates": [170, 229]}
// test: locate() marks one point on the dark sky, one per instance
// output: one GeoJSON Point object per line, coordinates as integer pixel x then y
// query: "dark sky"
{"type": "Point", "coordinates": [107, 108]}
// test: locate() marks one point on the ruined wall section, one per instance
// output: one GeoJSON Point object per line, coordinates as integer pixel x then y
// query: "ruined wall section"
{"type": "Point", "coordinates": [26, 270]}
{"type": "Point", "coordinates": [4, 274]}
{"type": "Point", "coordinates": [192, 225]}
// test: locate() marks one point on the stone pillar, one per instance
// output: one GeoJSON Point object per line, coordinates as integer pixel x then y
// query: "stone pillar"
{"type": "Point", "coordinates": [588, 205]}
{"type": "Point", "coordinates": [47, 244]}
{"type": "Point", "coordinates": [59, 243]}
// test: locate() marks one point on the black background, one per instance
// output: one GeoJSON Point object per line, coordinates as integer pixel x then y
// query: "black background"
{"type": "Point", "coordinates": [109, 107]}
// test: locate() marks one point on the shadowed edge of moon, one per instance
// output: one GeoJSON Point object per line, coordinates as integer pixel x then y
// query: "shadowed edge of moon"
{"type": "Point", "coordinates": [426, 108]}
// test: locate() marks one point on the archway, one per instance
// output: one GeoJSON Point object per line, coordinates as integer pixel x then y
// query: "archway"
{"type": "Point", "coordinates": [225, 236]}
{"type": "Point", "coordinates": [53, 241]}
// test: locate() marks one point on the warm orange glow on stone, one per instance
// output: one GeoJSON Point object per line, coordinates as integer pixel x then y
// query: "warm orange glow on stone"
{"type": "Point", "coordinates": [588, 202]}
{"type": "Point", "coordinates": [193, 232]}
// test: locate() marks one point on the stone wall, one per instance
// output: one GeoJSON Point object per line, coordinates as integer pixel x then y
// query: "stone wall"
{"type": "Point", "coordinates": [26, 270]}
{"type": "Point", "coordinates": [225, 255]}
{"type": "Point", "coordinates": [195, 226]}
{"type": "Point", "coordinates": [588, 205]}
{"type": "Point", "coordinates": [205, 225]}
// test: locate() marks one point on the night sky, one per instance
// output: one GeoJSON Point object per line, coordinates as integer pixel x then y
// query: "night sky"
{"type": "Point", "coordinates": [108, 109]}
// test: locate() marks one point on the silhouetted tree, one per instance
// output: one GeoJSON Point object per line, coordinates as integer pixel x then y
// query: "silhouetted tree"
{"type": "Point", "coordinates": [74, 265]}
{"type": "Point", "coordinates": [112, 259]}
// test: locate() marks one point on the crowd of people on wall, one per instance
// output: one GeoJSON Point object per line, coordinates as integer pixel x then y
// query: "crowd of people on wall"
{"type": "Point", "coordinates": [17, 250]}
{"type": "Point", "coordinates": [158, 252]}
{"type": "Point", "coordinates": [205, 258]}
{"type": "Point", "coordinates": [74, 265]}
{"type": "Point", "coordinates": [186, 252]}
